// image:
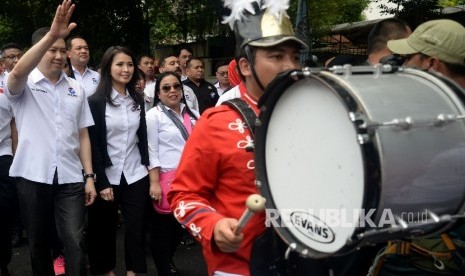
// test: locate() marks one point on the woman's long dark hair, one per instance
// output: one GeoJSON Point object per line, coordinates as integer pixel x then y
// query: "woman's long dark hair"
{"type": "Point", "coordinates": [104, 87]}
{"type": "Point", "coordinates": [156, 99]}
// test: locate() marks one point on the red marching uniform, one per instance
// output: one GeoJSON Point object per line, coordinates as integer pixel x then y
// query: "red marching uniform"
{"type": "Point", "coordinates": [214, 178]}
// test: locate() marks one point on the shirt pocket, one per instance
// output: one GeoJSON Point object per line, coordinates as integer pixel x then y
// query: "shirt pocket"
{"type": "Point", "coordinates": [72, 108]}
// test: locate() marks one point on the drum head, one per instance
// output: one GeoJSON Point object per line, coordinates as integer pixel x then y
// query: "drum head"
{"type": "Point", "coordinates": [311, 161]}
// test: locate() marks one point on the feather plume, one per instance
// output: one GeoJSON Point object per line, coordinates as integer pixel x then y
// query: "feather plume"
{"type": "Point", "coordinates": [276, 8]}
{"type": "Point", "coordinates": [238, 7]}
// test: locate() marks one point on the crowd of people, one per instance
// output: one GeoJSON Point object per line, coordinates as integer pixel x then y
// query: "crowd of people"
{"type": "Point", "coordinates": [151, 139]}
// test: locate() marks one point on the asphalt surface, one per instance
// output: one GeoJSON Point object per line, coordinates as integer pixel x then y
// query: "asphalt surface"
{"type": "Point", "coordinates": [188, 260]}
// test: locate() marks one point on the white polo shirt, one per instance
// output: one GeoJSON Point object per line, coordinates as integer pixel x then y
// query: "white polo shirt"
{"type": "Point", "coordinates": [48, 118]}
{"type": "Point", "coordinates": [89, 80]}
{"type": "Point", "coordinates": [6, 114]}
{"type": "Point", "coordinates": [165, 139]}
{"type": "Point", "coordinates": [122, 122]}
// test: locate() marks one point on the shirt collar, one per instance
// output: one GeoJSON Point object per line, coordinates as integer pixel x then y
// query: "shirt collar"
{"type": "Point", "coordinates": [77, 71]}
{"type": "Point", "coordinates": [37, 76]}
{"type": "Point", "coordinates": [115, 94]}
{"type": "Point", "coordinates": [183, 106]}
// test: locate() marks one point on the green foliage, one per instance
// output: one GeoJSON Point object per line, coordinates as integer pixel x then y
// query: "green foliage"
{"type": "Point", "coordinates": [182, 21]}
{"type": "Point", "coordinates": [451, 3]}
{"type": "Point", "coordinates": [324, 14]}
{"type": "Point", "coordinates": [144, 24]}
{"type": "Point", "coordinates": [416, 12]}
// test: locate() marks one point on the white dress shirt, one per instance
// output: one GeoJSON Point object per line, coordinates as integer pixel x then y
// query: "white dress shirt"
{"type": "Point", "coordinates": [165, 140]}
{"type": "Point", "coordinates": [48, 118]}
{"type": "Point", "coordinates": [149, 94]}
{"type": "Point", "coordinates": [2, 80]}
{"type": "Point", "coordinates": [218, 88]}
{"type": "Point", "coordinates": [191, 98]}
{"type": "Point", "coordinates": [123, 121]}
{"type": "Point", "coordinates": [6, 114]}
{"type": "Point", "coordinates": [89, 80]}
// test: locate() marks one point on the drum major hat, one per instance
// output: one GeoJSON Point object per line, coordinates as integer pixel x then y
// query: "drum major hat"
{"type": "Point", "coordinates": [262, 23]}
{"type": "Point", "coordinates": [443, 38]}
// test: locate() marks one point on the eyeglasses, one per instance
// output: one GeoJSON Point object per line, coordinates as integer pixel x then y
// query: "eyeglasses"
{"type": "Point", "coordinates": [167, 88]}
{"type": "Point", "coordinates": [13, 57]}
{"type": "Point", "coordinates": [222, 73]}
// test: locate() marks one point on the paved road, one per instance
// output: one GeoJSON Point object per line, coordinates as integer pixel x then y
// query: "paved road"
{"type": "Point", "coordinates": [188, 259]}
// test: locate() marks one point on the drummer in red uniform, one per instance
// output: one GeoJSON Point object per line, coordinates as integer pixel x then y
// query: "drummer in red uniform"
{"type": "Point", "coordinates": [216, 173]}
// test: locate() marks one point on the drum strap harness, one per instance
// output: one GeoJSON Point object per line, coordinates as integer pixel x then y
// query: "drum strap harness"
{"type": "Point", "coordinates": [434, 255]}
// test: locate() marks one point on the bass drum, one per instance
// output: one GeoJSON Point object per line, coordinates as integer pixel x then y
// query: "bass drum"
{"type": "Point", "coordinates": [345, 160]}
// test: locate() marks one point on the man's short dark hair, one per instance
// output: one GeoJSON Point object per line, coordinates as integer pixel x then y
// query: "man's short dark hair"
{"type": "Point", "coordinates": [188, 62]}
{"type": "Point", "coordinates": [140, 57]}
{"type": "Point", "coordinates": [221, 63]}
{"type": "Point", "coordinates": [178, 53]}
{"type": "Point", "coordinates": [10, 45]}
{"type": "Point", "coordinates": [385, 30]}
{"type": "Point", "coordinates": [39, 34]}
{"type": "Point", "coordinates": [163, 59]}
{"type": "Point", "coordinates": [70, 39]}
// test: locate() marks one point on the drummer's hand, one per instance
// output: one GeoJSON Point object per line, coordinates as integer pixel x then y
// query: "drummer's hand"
{"type": "Point", "coordinates": [224, 236]}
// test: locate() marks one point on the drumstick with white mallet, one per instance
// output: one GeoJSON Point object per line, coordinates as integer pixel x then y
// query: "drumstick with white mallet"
{"type": "Point", "coordinates": [255, 203]}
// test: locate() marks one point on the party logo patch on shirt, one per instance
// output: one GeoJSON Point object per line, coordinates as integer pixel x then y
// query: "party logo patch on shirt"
{"type": "Point", "coordinates": [94, 80]}
{"type": "Point", "coordinates": [72, 92]}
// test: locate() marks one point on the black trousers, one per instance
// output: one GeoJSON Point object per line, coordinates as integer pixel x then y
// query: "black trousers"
{"type": "Point", "coordinates": [41, 204]}
{"type": "Point", "coordinates": [101, 231]}
{"type": "Point", "coordinates": [165, 235]}
{"type": "Point", "coordinates": [8, 209]}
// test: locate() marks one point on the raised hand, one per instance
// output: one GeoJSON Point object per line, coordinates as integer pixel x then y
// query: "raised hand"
{"type": "Point", "coordinates": [61, 27]}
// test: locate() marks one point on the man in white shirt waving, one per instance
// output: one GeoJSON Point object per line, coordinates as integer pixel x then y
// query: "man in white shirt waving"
{"type": "Point", "coordinates": [52, 116]}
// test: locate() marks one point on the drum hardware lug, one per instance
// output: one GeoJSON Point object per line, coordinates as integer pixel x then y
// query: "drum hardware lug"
{"type": "Point", "coordinates": [378, 70]}
{"type": "Point", "coordinates": [258, 122]}
{"type": "Point", "coordinates": [258, 183]}
{"type": "Point", "coordinates": [291, 247]}
{"type": "Point", "coordinates": [443, 119]}
{"type": "Point", "coordinates": [250, 148]}
{"type": "Point", "coordinates": [432, 216]}
{"type": "Point", "coordinates": [403, 124]}
{"type": "Point", "coordinates": [363, 138]}
{"type": "Point", "coordinates": [296, 75]}
{"type": "Point", "coordinates": [358, 119]}
{"type": "Point", "coordinates": [347, 71]}
{"type": "Point", "coordinates": [304, 252]}
{"type": "Point", "coordinates": [403, 224]}
{"type": "Point", "coordinates": [307, 72]}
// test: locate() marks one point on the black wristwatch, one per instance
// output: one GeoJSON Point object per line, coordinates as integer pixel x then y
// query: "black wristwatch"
{"type": "Point", "coordinates": [91, 175]}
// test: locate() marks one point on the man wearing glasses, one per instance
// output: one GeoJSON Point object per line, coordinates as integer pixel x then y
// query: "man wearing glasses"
{"type": "Point", "coordinates": [222, 76]}
{"type": "Point", "coordinates": [11, 53]}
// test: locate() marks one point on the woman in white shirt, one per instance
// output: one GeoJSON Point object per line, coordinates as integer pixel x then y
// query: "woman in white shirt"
{"type": "Point", "coordinates": [169, 124]}
{"type": "Point", "coordinates": [120, 159]}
